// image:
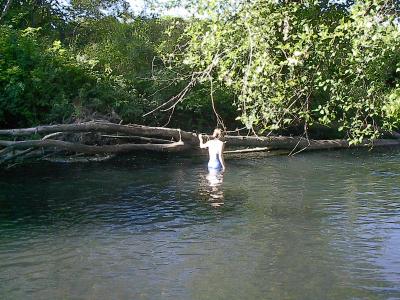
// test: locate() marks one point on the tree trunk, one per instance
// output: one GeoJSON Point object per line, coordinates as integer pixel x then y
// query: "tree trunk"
{"type": "Point", "coordinates": [89, 149]}
{"type": "Point", "coordinates": [140, 130]}
{"type": "Point", "coordinates": [73, 138]}
{"type": "Point", "coordinates": [289, 143]}
{"type": "Point", "coordinates": [5, 9]}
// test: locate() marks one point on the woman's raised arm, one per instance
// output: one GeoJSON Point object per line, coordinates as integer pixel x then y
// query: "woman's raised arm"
{"type": "Point", "coordinates": [202, 145]}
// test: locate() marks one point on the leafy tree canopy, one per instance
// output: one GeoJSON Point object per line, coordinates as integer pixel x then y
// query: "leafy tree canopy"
{"type": "Point", "coordinates": [294, 63]}
{"type": "Point", "coordinates": [272, 64]}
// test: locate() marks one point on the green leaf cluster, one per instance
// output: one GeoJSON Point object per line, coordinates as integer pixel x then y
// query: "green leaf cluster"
{"type": "Point", "coordinates": [300, 63]}
{"type": "Point", "coordinates": [42, 82]}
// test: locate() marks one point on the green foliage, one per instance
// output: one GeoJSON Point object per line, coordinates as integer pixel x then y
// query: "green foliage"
{"type": "Point", "coordinates": [274, 65]}
{"type": "Point", "coordinates": [133, 51]}
{"type": "Point", "coordinates": [42, 82]}
{"type": "Point", "coordinates": [196, 111]}
{"type": "Point", "coordinates": [300, 63]}
{"type": "Point", "coordinates": [108, 61]}
{"type": "Point", "coordinates": [48, 15]}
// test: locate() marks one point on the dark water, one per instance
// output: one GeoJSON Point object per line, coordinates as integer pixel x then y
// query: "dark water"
{"type": "Point", "coordinates": [320, 225]}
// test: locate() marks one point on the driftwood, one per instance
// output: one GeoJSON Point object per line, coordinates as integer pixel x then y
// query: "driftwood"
{"type": "Point", "coordinates": [108, 139]}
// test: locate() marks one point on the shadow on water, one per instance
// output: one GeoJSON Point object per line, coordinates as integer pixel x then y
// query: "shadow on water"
{"type": "Point", "coordinates": [137, 195]}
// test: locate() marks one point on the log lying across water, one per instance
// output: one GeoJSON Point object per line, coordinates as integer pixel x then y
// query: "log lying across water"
{"type": "Point", "coordinates": [293, 143]}
{"type": "Point", "coordinates": [105, 127]}
{"type": "Point", "coordinates": [107, 139]}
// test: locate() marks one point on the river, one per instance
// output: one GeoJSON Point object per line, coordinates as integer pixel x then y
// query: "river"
{"type": "Point", "coordinates": [320, 225]}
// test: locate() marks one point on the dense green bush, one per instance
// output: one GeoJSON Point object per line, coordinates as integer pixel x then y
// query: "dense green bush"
{"type": "Point", "coordinates": [43, 82]}
{"type": "Point", "coordinates": [106, 63]}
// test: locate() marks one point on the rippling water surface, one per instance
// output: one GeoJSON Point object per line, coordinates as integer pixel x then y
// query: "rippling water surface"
{"type": "Point", "coordinates": [320, 225]}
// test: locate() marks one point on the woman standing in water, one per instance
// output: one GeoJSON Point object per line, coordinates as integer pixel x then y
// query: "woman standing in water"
{"type": "Point", "coordinates": [215, 151]}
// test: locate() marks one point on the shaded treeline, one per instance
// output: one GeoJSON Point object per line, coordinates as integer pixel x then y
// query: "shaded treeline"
{"type": "Point", "coordinates": [93, 60]}
{"type": "Point", "coordinates": [325, 68]}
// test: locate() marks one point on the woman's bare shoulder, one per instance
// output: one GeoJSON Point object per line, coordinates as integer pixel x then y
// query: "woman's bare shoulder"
{"type": "Point", "coordinates": [218, 143]}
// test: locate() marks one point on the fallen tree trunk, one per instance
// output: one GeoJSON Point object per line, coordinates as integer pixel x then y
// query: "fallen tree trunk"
{"type": "Point", "coordinates": [89, 149]}
{"type": "Point", "coordinates": [136, 138]}
{"type": "Point", "coordinates": [91, 138]}
{"type": "Point", "coordinates": [108, 139]}
{"type": "Point", "coordinates": [290, 143]}
{"type": "Point", "coordinates": [138, 130]}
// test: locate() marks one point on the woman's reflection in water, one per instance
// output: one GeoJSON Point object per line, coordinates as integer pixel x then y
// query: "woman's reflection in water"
{"type": "Point", "coordinates": [215, 179]}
